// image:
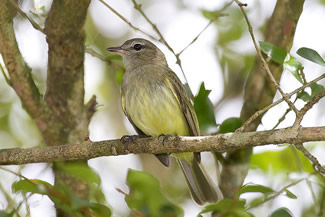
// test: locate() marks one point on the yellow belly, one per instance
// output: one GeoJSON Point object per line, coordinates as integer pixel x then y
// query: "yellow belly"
{"type": "Point", "coordinates": [156, 112]}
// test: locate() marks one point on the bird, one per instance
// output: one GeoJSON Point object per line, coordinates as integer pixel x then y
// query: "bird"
{"type": "Point", "coordinates": [156, 103]}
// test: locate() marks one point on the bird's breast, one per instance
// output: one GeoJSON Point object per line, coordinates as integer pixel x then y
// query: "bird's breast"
{"type": "Point", "coordinates": [153, 108]}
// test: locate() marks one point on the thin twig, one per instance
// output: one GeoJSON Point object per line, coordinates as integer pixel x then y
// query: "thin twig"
{"type": "Point", "coordinates": [312, 158]}
{"type": "Point", "coordinates": [103, 58]}
{"type": "Point", "coordinates": [308, 106]}
{"type": "Point", "coordinates": [23, 14]}
{"type": "Point", "coordinates": [25, 197]}
{"type": "Point", "coordinates": [250, 29]}
{"type": "Point", "coordinates": [122, 192]}
{"type": "Point", "coordinates": [138, 7]}
{"type": "Point", "coordinates": [309, 183]}
{"type": "Point", "coordinates": [5, 75]}
{"type": "Point", "coordinates": [219, 14]}
{"type": "Point", "coordinates": [284, 115]}
{"type": "Point", "coordinates": [303, 75]}
{"type": "Point", "coordinates": [14, 173]}
{"type": "Point", "coordinates": [126, 21]}
{"type": "Point", "coordinates": [277, 193]}
{"type": "Point", "coordinates": [10, 201]}
{"type": "Point", "coordinates": [262, 111]}
{"type": "Point", "coordinates": [282, 118]}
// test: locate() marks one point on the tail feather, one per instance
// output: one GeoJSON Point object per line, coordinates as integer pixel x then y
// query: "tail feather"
{"type": "Point", "coordinates": [164, 159]}
{"type": "Point", "coordinates": [202, 188]}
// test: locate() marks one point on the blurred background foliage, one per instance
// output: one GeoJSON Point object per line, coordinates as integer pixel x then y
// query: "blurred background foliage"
{"type": "Point", "coordinates": [119, 191]}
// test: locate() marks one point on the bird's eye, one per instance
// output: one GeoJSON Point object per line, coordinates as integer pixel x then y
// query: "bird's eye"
{"type": "Point", "coordinates": [137, 47]}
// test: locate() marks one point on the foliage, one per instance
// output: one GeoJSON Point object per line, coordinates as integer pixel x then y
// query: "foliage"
{"type": "Point", "coordinates": [204, 110]}
{"type": "Point", "coordinates": [279, 161]}
{"type": "Point", "coordinates": [293, 66]}
{"type": "Point", "coordinates": [281, 212]}
{"type": "Point", "coordinates": [62, 196]}
{"type": "Point", "coordinates": [147, 198]}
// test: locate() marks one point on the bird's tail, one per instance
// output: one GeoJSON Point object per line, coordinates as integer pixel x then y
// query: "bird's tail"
{"type": "Point", "coordinates": [202, 188]}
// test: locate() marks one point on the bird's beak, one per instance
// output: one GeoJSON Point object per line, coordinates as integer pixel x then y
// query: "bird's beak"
{"type": "Point", "coordinates": [119, 50]}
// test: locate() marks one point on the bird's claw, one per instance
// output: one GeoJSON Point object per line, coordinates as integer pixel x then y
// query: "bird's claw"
{"type": "Point", "coordinates": [127, 139]}
{"type": "Point", "coordinates": [165, 137]}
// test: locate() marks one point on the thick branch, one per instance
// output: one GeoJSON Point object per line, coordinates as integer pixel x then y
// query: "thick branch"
{"type": "Point", "coordinates": [218, 143]}
{"type": "Point", "coordinates": [65, 77]}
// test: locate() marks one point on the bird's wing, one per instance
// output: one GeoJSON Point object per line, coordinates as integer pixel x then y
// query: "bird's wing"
{"type": "Point", "coordinates": [184, 101]}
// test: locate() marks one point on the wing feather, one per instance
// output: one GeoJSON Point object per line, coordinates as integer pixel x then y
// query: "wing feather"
{"type": "Point", "coordinates": [184, 101]}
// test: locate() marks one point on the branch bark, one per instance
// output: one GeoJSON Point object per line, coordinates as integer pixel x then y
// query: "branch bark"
{"type": "Point", "coordinates": [219, 143]}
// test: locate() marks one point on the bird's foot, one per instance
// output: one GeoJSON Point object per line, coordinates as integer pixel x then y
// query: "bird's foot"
{"type": "Point", "coordinates": [127, 139]}
{"type": "Point", "coordinates": [165, 137]}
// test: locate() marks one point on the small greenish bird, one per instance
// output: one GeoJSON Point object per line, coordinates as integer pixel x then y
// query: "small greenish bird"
{"type": "Point", "coordinates": [156, 103]}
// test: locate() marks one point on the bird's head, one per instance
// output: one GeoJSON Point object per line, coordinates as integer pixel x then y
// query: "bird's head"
{"type": "Point", "coordinates": [138, 52]}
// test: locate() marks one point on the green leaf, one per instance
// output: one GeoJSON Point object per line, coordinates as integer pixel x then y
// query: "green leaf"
{"type": "Point", "coordinates": [311, 55]}
{"type": "Point", "coordinates": [204, 110]}
{"type": "Point", "coordinates": [96, 194]}
{"type": "Point", "coordinates": [41, 187]}
{"type": "Point", "coordinates": [266, 197]}
{"type": "Point", "coordinates": [119, 76]}
{"type": "Point", "coordinates": [228, 208]}
{"type": "Point", "coordinates": [33, 186]}
{"type": "Point", "coordinates": [101, 210]}
{"type": "Point", "coordinates": [293, 66]}
{"type": "Point", "coordinates": [290, 194]}
{"type": "Point", "coordinates": [281, 212]}
{"type": "Point", "coordinates": [230, 31]}
{"type": "Point", "coordinates": [316, 88]}
{"type": "Point", "coordinates": [65, 199]}
{"type": "Point", "coordinates": [277, 54]}
{"type": "Point", "coordinates": [5, 214]}
{"type": "Point", "coordinates": [210, 14]}
{"type": "Point", "coordinates": [304, 96]}
{"type": "Point", "coordinates": [146, 197]}
{"type": "Point", "coordinates": [230, 34]}
{"type": "Point", "coordinates": [255, 188]}
{"type": "Point", "coordinates": [279, 159]}
{"type": "Point", "coordinates": [230, 125]}
{"type": "Point", "coordinates": [61, 196]}
{"type": "Point", "coordinates": [80, 171]}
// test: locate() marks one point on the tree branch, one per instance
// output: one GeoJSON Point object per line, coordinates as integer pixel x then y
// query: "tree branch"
{"type": "Point", "coordinates": [312, 158]}
{"type": "Point", "coordinates": [65, 76]}
{"type": "Point", "coordinates": [265, 109]}
{"type": "Point", "coordinates": [218, 143]}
